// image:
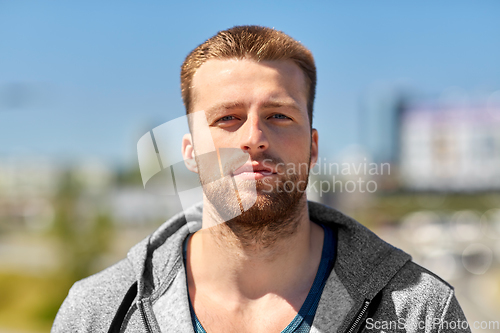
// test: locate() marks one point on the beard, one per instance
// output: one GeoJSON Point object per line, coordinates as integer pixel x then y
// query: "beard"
{"type": "Point", "coordinates": [259, 212]}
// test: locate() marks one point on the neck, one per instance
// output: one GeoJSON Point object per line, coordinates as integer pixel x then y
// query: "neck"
{"type": "Point", "coordinates": [242, 262]}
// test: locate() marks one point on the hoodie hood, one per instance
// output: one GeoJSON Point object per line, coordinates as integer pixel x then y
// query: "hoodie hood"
{"type": "Point", "coordinates": [159, 256]}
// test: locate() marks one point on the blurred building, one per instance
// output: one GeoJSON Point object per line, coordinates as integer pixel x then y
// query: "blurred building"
{"type": "Point", "coordinates": [379, 119]}
{"type": "Point", "coordinates": [450, 146]}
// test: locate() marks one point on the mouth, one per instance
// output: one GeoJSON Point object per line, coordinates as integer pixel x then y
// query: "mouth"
{"type": "Point", "coordinates": [254, 170]}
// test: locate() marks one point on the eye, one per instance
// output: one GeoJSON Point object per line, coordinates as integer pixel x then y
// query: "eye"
{"type": "Point", "coordinates": [279, 116]}
{"type": "Point", "coordinates": [226, 118]}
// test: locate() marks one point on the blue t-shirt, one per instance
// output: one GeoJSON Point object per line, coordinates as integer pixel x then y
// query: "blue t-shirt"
{"type": "Point", "coordinates": [304, 318]}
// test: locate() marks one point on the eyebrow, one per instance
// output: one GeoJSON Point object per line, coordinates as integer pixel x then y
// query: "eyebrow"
{"type": "Point", "coordinates": [281, 104]}
{"type": "Point", "coordinates": [268, 105]}
{"type": "Point", "coordinates": [224, 106]}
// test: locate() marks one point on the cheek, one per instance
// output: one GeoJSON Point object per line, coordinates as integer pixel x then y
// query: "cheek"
{"type": "Point", "coordinates": [297, 140]}
{"type": "Point", "coordinates": [222, 140]}
{"type": "Point", "coordinates": [296, 150]}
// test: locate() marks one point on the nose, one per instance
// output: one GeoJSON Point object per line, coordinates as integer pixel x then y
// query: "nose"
{"type": "Point", "coordinates": [253, 138]}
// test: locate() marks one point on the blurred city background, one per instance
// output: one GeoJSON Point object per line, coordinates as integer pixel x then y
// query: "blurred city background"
{"type": "Point", "coordinates": [407, 109]}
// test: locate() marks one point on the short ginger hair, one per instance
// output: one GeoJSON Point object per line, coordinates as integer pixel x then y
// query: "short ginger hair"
{"type": "Point", "coordinates": [250, 42]}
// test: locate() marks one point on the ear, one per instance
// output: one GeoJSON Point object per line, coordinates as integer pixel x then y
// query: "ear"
{"type": "Point", "coordinates": [314, 148]}
{"type": "Point", "coordinates": [188, 153]}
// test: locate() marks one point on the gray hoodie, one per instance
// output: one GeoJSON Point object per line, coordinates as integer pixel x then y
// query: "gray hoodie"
{"type": "Point", "coordinates": [374, 287]}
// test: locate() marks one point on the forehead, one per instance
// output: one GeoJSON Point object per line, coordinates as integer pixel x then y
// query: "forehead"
{"type": "Point", "coordinates": [246, 81]}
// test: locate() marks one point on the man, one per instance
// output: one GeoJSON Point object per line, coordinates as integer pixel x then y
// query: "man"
{"type": "Point", "coordinates": [257, 256]}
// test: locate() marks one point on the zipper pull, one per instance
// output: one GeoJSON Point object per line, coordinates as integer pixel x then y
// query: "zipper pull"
{"type": "Point", "coordinates": [359, 316]}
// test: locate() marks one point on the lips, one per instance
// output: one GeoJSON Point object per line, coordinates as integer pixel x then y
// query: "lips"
{"type": "Point", "coordinates": [255, 168]}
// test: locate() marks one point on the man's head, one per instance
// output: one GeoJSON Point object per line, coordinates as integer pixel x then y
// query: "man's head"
{"type": "Point", "coordinates": [260, 107]}
{"type": "Point", "coordinates": [250, 42]}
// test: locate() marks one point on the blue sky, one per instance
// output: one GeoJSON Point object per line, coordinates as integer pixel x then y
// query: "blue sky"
{"type": "Point", "coordinates": [88, 79]}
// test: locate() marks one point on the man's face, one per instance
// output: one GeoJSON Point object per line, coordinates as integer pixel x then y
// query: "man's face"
{"type": "Point", "coordinates": [260, 108]}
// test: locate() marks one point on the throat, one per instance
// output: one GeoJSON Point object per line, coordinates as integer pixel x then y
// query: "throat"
{"type": "Point", "coordinates": [223, 264]}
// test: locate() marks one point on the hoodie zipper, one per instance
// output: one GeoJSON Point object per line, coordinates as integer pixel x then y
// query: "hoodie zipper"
{"type": "Point", "coordinates": [360, 315]}
{"type": "Point", "coordinates": [143, 316]}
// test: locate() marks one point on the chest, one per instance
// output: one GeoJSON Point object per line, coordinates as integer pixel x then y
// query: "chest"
{"type": "Point", "coordinates": [271, 317]}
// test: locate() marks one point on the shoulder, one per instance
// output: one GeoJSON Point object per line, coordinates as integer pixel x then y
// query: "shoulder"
{"type": "Point", "coordinates": [416, 286]}
{"type": "Point", "coordinates": [92, 302]}
{"type": "Point", "coordinates": [418, 299]}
